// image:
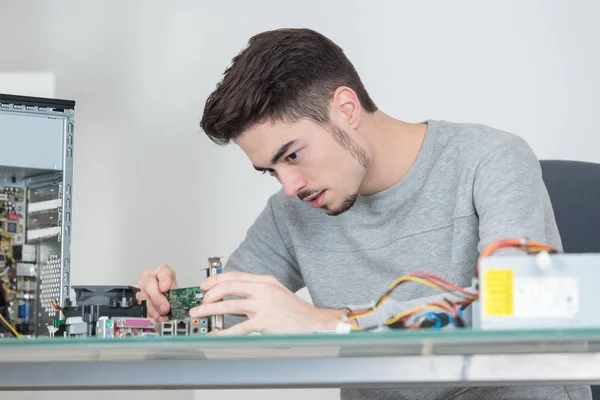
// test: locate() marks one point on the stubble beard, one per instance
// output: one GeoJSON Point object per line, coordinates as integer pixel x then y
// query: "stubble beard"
{"type": "Point", "coordinates": [359, 154]}
{"type": "Point", "coordinates": [347, 204]}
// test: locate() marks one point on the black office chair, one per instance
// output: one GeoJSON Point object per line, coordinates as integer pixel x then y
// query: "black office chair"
{"type": "Point", "coordinates": [574, 189]}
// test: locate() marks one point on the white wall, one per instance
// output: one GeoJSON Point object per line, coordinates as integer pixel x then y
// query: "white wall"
{"type": "Point", "coordinates": [151, 188]}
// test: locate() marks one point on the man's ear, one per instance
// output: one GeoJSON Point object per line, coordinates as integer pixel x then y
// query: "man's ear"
{"type": "Point", "coordinates": [345, 107]}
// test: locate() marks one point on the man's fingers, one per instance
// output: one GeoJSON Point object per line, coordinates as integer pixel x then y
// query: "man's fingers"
{"type": "Point", "coordinates": [243, 328]}
{"type": "Point", "coordinates": [214, 280]}
{"type": "Point", "coordinates": [232, 288]}
{"type": "Point", "coordinates": [228, 307]}
{"type": "Point", "coordinates": [166, 278]}
{"type": "Point", "coordinates": [150, 308]}
{"type": "Point", "coordinates": [150, 287]}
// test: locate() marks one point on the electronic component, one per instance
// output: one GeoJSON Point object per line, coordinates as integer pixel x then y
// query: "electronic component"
{"type": "Point", "coordinates": [537, 291]}
{"type": "Point", "coordinates": [99, 295]}
{"type": "Point", "coordinates": [37, 155]}
{"type": "Point", "coordinates": [93, 303]}
{"type": "Point", "coordinates": [24, 270]}
{"type": "Point", "coordinates": [215, 267]}
{"type": "Point", "coordinates": [125, 327]}
{"type": "Point", "coordinates": [120, 327]}
{"type": "Point", "coordinates": [199, 326]}
{"type": "Point", "coordinates": [531, 285]}
{"type": "Point", "coordinates": [114, 312]}
{"type": "Point", "coordinates": [181, 301]}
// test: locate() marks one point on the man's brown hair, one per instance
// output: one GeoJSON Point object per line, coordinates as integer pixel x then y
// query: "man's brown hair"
{"type": "Point", "coordinates": [282, 75]}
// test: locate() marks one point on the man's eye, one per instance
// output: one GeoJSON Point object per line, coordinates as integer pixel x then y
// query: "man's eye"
{"type": "Point", "coordinates": [269, 171]}
{"type": "Point", "coordinates": [293, 157]}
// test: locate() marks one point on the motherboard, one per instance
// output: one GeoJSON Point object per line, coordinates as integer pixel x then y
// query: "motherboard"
{"type": "Point", "coordinates": [17, 265]}
{"type": "Point", "coordinates": [114, 312]}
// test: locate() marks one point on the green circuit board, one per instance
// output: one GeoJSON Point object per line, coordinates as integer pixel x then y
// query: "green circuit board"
{"type": "Point", "coordinates": [183, 300]}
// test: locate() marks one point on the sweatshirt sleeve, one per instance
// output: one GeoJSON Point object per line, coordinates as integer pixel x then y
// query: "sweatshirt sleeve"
{"type": "Point", "coordinates": [511, 201]}
{"type": "Point", "coordinates": [264, 252]}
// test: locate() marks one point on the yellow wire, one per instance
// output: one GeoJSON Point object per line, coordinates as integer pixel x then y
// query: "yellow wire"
{"type": "Point", "coordinates": [408, 312]}
{"type": "Point", "coordinates": [411, 311]}
{"type": "Point", "coordinates": [9, 326]}
{"type": "Point", "coordinates": [412, 278]}
{"type": "Point", "coordinates": [393, 286]}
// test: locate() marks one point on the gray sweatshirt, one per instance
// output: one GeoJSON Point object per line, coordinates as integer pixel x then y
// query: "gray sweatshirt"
{"type": "Point", "coordinates": [471, 185]}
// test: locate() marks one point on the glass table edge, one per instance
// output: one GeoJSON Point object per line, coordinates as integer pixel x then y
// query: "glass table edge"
{"type": "Point", "coordinates": [398, 338]}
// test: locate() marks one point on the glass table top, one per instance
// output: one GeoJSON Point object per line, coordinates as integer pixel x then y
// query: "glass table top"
{"type": "Point", "coordinates": [364, 344]}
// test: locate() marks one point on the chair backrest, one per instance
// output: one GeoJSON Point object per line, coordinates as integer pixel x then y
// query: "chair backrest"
{"type": "Point", "coordinates": [574, 189]}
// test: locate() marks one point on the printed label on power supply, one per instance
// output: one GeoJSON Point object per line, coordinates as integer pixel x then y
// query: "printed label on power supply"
{"type": "Point", "coordinates": [498, 293]}
{"type": "Point", "coordinates": [546, 297]}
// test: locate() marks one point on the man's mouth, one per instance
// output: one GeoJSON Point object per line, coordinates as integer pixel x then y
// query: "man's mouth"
{"type": "Point", "coordinates": [313, 196]}
{"type": "Point", "coordinates": [317, 200]}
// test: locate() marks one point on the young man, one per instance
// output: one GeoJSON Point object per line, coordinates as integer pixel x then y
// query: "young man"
{"type": "Point", "coordinates": [365, 199]}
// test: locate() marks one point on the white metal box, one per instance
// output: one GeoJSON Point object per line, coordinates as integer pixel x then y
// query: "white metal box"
{"type": "Point", "coordinates": [36, 189]}
{"type": "Point", "coordinates": [547, 291]}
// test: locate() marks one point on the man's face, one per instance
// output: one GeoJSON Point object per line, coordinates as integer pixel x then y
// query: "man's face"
{"type": "Point", "coordinates": [324, 167]}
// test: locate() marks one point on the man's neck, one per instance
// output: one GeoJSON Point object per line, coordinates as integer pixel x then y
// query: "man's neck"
{"type": "Point", "coordinates": [395, 145]}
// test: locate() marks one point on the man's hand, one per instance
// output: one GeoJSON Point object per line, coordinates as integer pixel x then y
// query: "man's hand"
{"type": "Point", "coordinates": [269, 306]}
{"type": "Point", "coordinates": [153, 285]}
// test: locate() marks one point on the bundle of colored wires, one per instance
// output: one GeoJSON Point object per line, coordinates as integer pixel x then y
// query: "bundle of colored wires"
{"type": "Point", "coordinates": [425, 278]}
{"type": "Point", "coordinates": [54, 304]}
{"type": "Point", "coordinates": [452, 308]}
{"type": "Point", "coordinates": [528, 246]}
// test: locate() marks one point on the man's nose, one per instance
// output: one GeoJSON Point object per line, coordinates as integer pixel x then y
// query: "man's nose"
{"type": "Point", "coordinates": [292, 183]}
